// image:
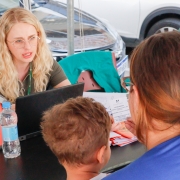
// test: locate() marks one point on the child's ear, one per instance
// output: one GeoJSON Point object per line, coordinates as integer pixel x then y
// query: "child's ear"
{"type": "Point", "coordinates": [100, 154]}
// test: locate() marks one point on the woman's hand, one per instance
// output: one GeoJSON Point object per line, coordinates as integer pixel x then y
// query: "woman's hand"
{"type": "Point", "coordinates": [130, 125]}
{"type": "Point", "coordinates": [115, 126]}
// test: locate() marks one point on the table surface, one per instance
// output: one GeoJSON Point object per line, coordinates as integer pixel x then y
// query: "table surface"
{"type": "Point", "coordinates": [37, 162]}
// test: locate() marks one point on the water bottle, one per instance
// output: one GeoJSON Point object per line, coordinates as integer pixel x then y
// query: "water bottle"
{"type": "Point", "coordinates": [11, 145]}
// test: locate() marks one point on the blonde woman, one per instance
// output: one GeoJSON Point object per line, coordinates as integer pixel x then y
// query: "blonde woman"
{"type": "Point", "coordinates": [26, 63]}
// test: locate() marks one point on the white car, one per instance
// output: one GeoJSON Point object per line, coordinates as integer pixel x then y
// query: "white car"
{"type": "Point", "coordinates": [135, 19]}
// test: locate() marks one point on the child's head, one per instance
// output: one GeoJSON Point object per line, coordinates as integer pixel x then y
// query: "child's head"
{"type": "Point", "coordinates": [77, 131]}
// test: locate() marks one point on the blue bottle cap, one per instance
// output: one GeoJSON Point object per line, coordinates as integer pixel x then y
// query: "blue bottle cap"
{"type": "Point", "coordinates": [6, 104]}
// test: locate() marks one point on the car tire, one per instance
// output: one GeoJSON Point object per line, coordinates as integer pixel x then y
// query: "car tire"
{"type": "Point", "coordinates": [165, 25]}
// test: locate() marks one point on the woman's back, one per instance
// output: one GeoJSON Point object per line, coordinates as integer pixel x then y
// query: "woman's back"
{"type": "Point", "coordinates": [160, 163]}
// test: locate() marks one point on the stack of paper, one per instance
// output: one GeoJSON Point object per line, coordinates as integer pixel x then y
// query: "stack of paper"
{"type": "Point", "coordinates": [122, 136]}
{"type": "Point", "coordinates": [116, 105]}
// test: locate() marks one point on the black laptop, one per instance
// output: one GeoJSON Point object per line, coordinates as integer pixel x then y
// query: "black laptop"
{"type": "Point", "coordinates": [29, 108]}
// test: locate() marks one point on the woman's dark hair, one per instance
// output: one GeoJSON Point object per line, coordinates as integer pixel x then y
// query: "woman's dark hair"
{"type": "Point", "coordinates": [155, 71]}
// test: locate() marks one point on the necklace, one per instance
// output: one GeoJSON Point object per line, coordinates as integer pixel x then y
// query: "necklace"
{"type": "Point", "coordinates": [30, 79]}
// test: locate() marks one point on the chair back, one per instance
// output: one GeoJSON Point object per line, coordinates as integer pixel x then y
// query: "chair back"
{"type": "Point", "coordinates": [95, 68]}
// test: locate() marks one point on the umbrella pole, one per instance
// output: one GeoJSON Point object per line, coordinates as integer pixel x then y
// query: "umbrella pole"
{"type": "Point", "coordinates": [70, 26]}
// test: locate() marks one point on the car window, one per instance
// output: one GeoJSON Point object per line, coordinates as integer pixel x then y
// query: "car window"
{"type": "Point", "coordinates": [6, 4]}
{"type": "Point", "coordinates": [53, 17]}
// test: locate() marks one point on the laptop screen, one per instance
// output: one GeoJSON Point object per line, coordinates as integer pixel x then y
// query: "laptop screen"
{"type": "Point", "coordinates": [30, 108]}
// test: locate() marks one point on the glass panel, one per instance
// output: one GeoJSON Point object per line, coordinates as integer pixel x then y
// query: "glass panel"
{"type": "Point", "coordinates": [6, 4]}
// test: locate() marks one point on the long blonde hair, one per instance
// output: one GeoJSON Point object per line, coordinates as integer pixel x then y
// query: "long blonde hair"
{"type": "Point", "coordinates": [43, 60]}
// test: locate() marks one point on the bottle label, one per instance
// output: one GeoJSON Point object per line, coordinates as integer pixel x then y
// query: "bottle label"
{"type": "Point", "coordinates": [9, 133]}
